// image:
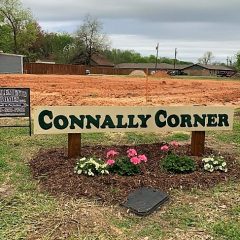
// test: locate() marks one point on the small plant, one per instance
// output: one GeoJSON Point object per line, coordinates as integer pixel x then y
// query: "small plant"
{"type": "Point", "coordinates": [125, 165]}
{"type": "Point", "coordinates": [213, 163]}
{"type": "Point", "coordinates": [178, 164]}
{"type": "Point", "coordinates": [91, 167]}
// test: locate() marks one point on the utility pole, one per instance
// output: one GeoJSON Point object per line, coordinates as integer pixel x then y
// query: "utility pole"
{"type": "Point", "coordinates": [156, 57]}
{"type": "Point", "coordinates": [175, 58]}
{"type": "Point", "coordinates": [227, 61]}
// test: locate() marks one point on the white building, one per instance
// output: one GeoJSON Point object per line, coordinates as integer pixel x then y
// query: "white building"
{"type": "Point", "coordinates": [11, 63]}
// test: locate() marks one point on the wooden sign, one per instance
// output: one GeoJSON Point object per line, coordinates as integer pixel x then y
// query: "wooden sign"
{"type": "Point", "coordinates": [87, 119]}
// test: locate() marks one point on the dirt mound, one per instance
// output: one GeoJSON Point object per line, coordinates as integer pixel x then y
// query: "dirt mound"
{"type": "Point", "coordinates": [55, 174]}
{"type": "Point", "coordinates": [161, 74]}
{"type": "Point", "coordinates": [139, 73]}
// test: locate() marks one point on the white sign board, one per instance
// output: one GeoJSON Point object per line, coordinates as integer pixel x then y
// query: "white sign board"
{"type": "Point", "coordinates": [88, 119]}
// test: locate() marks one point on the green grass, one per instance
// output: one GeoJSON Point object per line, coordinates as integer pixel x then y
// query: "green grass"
{"type": "Point", "coordinates": [229, 136]}
{"type": "Point", "coordinates": [227, 230]}
{"type": "Point", "coordinates": [26, 212]}
{"type": "Point", "coordinates": [178, 137]}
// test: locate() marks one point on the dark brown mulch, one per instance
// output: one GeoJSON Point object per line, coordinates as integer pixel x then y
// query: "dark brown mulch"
{"type": "Point", "coordinates": [55, 174]}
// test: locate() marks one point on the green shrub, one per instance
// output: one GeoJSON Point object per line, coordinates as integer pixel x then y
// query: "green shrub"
{"type": "Point", "coordinates": [124, 167]}
{"type": "Point", "coordinates": [178, 164]}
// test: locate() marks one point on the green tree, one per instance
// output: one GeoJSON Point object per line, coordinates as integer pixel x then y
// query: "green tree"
{"type": "Point", "coordinates": [16, 18]}
{"type": "Point", "coordinates": [6, 43]}
{"type": "Point", "coordinates": [59, 47]}
{"type": "Point", "coordinates": [90, 39]}
{"type": "Point", "coordinates": [238, 61]}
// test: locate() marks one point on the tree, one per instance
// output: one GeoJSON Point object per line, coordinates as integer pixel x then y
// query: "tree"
{"type": "Point", "coordinates": [90, 39]}
{"type": "Point", "coordinates": [207, 58]}
{"type": "Point", "coordinates": [16, 18]}
{"type": "Point", "coordinates": [6, 43]}
{"type": "Point", "coordinates": [238, 61]}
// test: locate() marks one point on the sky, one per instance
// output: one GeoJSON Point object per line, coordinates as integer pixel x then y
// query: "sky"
{"type": "Point", "coordinates": [191, 26]}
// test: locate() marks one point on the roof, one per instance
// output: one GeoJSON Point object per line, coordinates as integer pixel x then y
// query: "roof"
{"type": "Point", "coordinates": [10, 54]}
{"type": "Point", "coordinates": [164, 66]}
{"type": "Point", "coordinates": [160, 66]}
{"type": "Point", "coordinates": [212, 67]}
{"type": "Point", "coordinates": [101, 60]}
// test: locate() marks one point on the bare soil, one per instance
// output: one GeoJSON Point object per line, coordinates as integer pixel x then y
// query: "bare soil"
{"type": "Point", "coordinates": [54, 171]}
{"type": "Point", "coordinates": [124, 90]}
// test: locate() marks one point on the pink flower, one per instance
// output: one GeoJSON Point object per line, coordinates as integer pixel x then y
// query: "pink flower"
{"type": "Point", "coordinates": [110, 162]}
{"type": "Point", "coordinates": [175, 144]}
{"type": "Point", "coordinates": [164, 148]}
{"type": "Point", "coordinates": [131, 152]}
{"type": "Point", "coordinates": [142, 158]}
{"type": "Point", "coordinates": [135, 160]}
{"type": "Point", "coordinates": [111, 153]}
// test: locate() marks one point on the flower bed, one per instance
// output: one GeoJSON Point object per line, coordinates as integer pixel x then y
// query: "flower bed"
{"type": "Point", "coordinates": [56, 175]}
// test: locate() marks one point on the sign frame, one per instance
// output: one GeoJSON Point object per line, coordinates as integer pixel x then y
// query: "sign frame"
{"type": "Point", "coordinates": [27, 113]}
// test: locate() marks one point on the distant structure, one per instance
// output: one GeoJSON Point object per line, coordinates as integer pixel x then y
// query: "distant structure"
{"type": "Point", "coordinates": [190, 69]}
{"type": "Point", "coordinates": [97, 60]}
{"type": "Point", "coordinates": [11, 63]}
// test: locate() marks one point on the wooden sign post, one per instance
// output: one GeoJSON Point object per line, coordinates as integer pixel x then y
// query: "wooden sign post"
{"type": "Point", "coordinates": [198, 143]}
{"type": "Point", "coordinates": [74, 145]}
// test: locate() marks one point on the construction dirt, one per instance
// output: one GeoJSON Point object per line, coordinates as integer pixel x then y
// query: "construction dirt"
{"type": "Point", "coordinates": [124, 90]}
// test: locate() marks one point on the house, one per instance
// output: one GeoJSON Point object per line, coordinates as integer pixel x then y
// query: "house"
{"type": "Point", "coordinates": [151, 66]}
{"type": "Point", "coordinates": [97, 60]}
{"type": "Point", "coordinates": [11, 63]}
{"type": "Point", "coordinates": [207, 70]}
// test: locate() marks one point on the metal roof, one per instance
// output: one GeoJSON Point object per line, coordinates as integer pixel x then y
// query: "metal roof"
{"type": "Point", "coordinates": [211, 67]}
{"type": "Point", "coordinates": [11, 54]}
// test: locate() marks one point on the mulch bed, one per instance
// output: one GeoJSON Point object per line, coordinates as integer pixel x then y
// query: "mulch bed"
{"type": "Point", "coordinates": [55, 174]}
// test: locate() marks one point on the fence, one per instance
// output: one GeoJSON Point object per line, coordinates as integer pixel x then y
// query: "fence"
{"type": "Point", "coordinates": [64, 69]}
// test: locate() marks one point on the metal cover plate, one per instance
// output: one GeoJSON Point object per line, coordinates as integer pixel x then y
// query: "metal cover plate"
{"type": "Point", "coordinates": [144, 201]}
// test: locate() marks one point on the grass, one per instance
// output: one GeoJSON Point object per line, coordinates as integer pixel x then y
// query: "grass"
{"type": "Point", "coordinates": [28, 213]}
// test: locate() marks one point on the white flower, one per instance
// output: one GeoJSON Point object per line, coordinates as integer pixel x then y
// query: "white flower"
{"type": "Point", "coordinates": [79, 171]}
{"type": "Point", "coordinates": [220, 168]}
{"type": "Point", "coordinates": [215, 162]}
{"type": "Point", "coordinates": [224, 164]}
{"type": "Point", "coordinates": [225, 170]}
{"type": "Point", "coordinates": [211, 170]}
{"type": "Point", "coordinates": [83, 159]}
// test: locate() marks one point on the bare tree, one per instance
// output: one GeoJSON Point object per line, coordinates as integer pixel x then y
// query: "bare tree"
{"type": "Point", "coordinates": [90, 39]}
{"type": "Point", "coordinates": [15, 16]}
{"type": "Point", "coordinates": [207, 58]}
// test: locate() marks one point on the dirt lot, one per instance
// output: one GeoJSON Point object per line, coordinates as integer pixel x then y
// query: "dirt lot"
{"type": "Point", "coordinates": [121, 90]}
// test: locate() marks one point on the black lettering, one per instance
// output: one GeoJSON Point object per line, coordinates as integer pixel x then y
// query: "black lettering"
{"type": "Point", "coordinates": [173, 120]}
{"type": "Point", "coordinates": [144, 119]}
{"type": "Point", "coordinates": [158, 122]}
{"type": "Point", "coordinates": [186, 120]}
{"type": "Point", "coordinates": [198, 120]}
{"type": "Point", "coordinates": [223, 120]}
{"type": "Point", "coordinates": [94, 121]}
{"type": "Point", "coordinates": [60, 122]}
{"type": "Point", "coordinates": [212, 120]}
{"type": "Point", "coordinates": [131, 122]}
{"type": "Point", "coordinates": [42, 122]}
{"type": "Point", "coordinates": [77, 121]}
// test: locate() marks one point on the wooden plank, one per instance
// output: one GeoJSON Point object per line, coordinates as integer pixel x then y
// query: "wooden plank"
{"type": "Point", "coordinates": [198, 143]}
{"type": "Point", "coordinates": [74, 145]}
